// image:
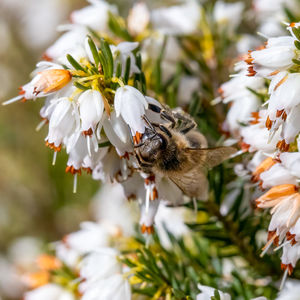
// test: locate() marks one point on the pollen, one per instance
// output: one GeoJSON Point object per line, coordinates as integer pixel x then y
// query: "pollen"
{"type": "Point", "coordinates": [147, 229]}
{"type": "Point", "coordinates": [287, 267]}
{"type": "Point", "coordinates": [53, 147]}
{"type": "Point", "coordinates": [254, 118]}
{"type": "Point", "coordinates": [88, 132]}
{"type": "Point", "coordinates": [283, 146]}
{"type": "Point", "coordinates": [154, 194]}
{"type": "Point", "coordinates": [72, 170]}
{"type": "Point", "coordinates": [137, 138]}
{"type": "Point", "coordinates": [291, 237]}
{"type": "Point", "coordinates": [269, 123]}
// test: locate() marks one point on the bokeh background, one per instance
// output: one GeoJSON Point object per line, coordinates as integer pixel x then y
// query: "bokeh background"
{"type": "Point", "coordinates": [36, 200]}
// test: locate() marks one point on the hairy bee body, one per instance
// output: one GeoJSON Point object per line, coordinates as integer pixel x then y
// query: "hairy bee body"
{"type": "Point", "coordinates": [177, 150]}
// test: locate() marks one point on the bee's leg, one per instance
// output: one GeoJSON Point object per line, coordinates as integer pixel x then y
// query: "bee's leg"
{"type": "Point", "coordinates": [142, 164]}
{"type": "Point", "coordinates": [188, 128]}
{"type": "Point", "coordinates": [139, 145]}
{"type": "Point", "coordinates": [154, 108]}
{"type": "Point", "coordinates": [148, 123]}
{"type": "Point", "coordinates": [165, 130]}
{"type": "Point", "coordinates": [165, 115]}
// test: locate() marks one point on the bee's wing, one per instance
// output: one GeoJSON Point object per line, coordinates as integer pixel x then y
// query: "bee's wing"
{"type": "Point", "coordinates": [209, 157]}
{"type": "Point", "coordinates": [192, 179]}
{"type": "Point", "coordinates": [192, 183]}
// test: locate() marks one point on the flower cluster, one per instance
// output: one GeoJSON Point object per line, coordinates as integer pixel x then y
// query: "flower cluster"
{"type": "Point", "coordinates": [268, 97]}
{"type": "Point", "coordinates": [88, 264]}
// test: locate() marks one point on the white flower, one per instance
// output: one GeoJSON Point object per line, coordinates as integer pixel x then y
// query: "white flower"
{"type": "Point", "coordinates": [172, 219]}
{"type": "Point", "coordinates": [91, 109]}
{"type": "Point", "coordinates": [88, 238]}
{"type": "Point", "coordinates": [67, 255]}
{"type": "Point", "coordinates": [118, 133]}
{"type": "Point", "coordinates": [207, 292]}
{"type": "Point", "coordinates": [277, 56]}
{"type": "Point", "coordinates": [291, 291]}
{"type": "Point", "coordinates": [77, 150]}
{"type": "Point", "coordinates": [100, 264]}
{"type": "Point", "coordinates": [285, 214]}
{"type": "Point", "coordinates": [122, 52]}
{"type": "Point", "coordinates": [49, 78]}
{"type": "Point", "coordinates": [120, 215]}
{"type": "Point", "coordinates": [228, 14]}
{"type": "Point", "coordinates": [94, 16]}
{"type": "Point", "coordinates": [257, 136]}
{"type": "Point", "coordinates": [67, 42]}
{"type": "Point", "coordinates": [276, 175]}
{"type": "Point", "coordinates": [138, 18]}
{"type": "Point", "coordinates": [49, 292]}
{"type": "Point", "coordinates": [131, 104]}
{"type": "Point", "coordinates": [62, 121]}
{"type": "Point", "coordinates": [291, 161]}
{"type": "Point", "coordinates": [284, 90]}
{"type": "Point", "coordinates": [290, 256]}
{"type": "Point", "coordinates": [177, 20]}
{"type": "Point", "coordinates": [115, 287]}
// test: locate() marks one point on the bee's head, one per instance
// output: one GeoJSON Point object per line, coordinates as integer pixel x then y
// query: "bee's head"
{"type": "Point", "coordinates": [152, 145]}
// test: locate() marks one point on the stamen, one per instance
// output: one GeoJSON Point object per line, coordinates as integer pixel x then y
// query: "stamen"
{"type": "Point", "coordinates": [41, 124]}
{"type": "Point", "coordinates": [263, 35]}
{"type": "Point", "coordinates": [281, 246]}
{"type": "Point", "coordinates": [147, 200]}
{"type": "Point", "coordinates": [75, 184]}
{"type": "Point", "coordinates": [54, 158]}
{"type": "Point", "coordinates": [268, 245]}
{"type": "Point", "coordinates": [283, 279]}
{"type": "Point", "coordinates": [88, 145]}
{"type": "Point", "coordinates": [15, 99]}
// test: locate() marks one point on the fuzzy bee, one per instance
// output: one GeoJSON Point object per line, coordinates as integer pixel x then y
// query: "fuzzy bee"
{"type": "Point", "coordinates": [176, 149]}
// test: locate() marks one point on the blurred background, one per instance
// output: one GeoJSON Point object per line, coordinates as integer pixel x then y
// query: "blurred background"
{"type": "Point", "coordinates": [36, 200]}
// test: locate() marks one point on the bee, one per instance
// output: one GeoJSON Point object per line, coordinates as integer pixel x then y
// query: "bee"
{"type": "Point", "coordinates": [177, 150]}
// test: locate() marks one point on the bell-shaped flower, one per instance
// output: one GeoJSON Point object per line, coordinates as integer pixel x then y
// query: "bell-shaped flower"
{"type": "Point", "coordinates": [289, 258]}
{"type": "Point", "coordinates": [291, 161]}
{"type": "Point", "coordinates": [285, 94]}
{"type": "Point", "coordinates": [177, 19]}
{"type": "Point", "coordinates": [138, 18]}
{"type": "Point", "coordinates": [45, 82]}
{"type": "Point", "coordinates": [62, 122]}
{"type": "Point", "coordinates": [228, 15]}
{"type": "Point", "coordinates": [104, 257]}
{"type": "Point", "coordinates": [77, 150]}
{"type": "Point", "coordinates": [291, 127]}
{"type": "Point", "coordinates": [71, 39]}
{"type": "Point", "coordinates": [131, 105]}
{"type": "Point", "coordinates": [277, 175]}
{"type": "Point", "coordinates": [49, 292]}
{"type": "Point", "coordinates": [90, 109]}
{"type": "Point", "coordinates": [94, 16]}
{"type": "Point", "coordinates": [114, 287]}
{"type": "Point", "coordinates": [118, 133]}
{"type": "Point", "coordinates": [277, 56]}
{"type": "Point", "coordinates": [122, 52]}
{"type": "Point", "coordinates": [89, 238]}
